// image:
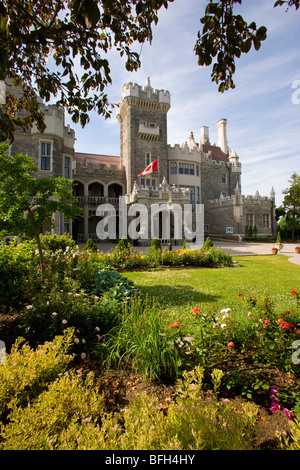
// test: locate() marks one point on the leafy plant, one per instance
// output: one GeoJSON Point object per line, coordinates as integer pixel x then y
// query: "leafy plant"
{"type": "Point", "coordinates": [111, 283]}
{"type": "Point", "coordinates": [27, 372]}
{"type": "Point", "coordinates": [207, 244]}
{"type": "Point", "coordinates": [91, 245]}
{"type": "Point", "coordinates": [66, 416]}
{"type": "Point", "coordinates": [57, 242]}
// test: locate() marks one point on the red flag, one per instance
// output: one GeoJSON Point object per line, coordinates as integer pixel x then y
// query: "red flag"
{"type": "Point", "coordinates": [150, 168]}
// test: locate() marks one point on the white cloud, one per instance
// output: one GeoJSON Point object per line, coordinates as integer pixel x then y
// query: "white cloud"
{"type": "Point", "coordinates": [263, 123]}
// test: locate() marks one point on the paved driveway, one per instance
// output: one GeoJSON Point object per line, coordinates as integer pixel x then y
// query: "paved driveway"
{"type": "Point", "coordinates": [248, 248]}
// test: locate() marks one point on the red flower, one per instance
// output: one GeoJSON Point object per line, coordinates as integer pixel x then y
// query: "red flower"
{"type": "Point", "coordinates": [196, 310]}
{"type": "Point", "coordinates": [174, 325]}
{"type": "Point", "coordinates": [284, 325]}
{"type": "Point", "coordinates": [230, 345]}
{"type": "Point", "coordinates": [294, 292]}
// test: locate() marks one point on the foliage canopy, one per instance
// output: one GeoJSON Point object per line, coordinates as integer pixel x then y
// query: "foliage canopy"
{"type": "Point", "coordinates": [58, 49]}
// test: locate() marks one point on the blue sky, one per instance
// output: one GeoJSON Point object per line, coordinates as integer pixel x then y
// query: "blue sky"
{"type": "Point", "coordinates": [263, 123]}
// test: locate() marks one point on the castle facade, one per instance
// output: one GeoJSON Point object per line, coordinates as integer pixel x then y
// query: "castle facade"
{"type": "Point", "coordinates": [195, 172]}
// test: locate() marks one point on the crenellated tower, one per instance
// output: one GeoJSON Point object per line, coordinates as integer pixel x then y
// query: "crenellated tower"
{"type": "Point", "coordinates": [142, 114]}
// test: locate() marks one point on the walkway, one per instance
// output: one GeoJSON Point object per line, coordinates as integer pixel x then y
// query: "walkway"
{"type": "Point", "coordinates": [250, 249]}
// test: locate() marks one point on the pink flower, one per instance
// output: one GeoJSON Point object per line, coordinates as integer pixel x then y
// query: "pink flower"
{"type": "Point", "coordinates": [29, 307]}
{"type": "Point", "coordinates": [64, 322]}
{"type": "Point", "coordinates": [250, 314]}
{"type": "Point", "coordinates": [275, 407]}
{"type": "Point", "coordinates": [287, 413]}
{"type": "Point", "coordinates": [230, 345]}
{"type": "Point", "coordinates": [83, 356]}
{"type": "Point", "coordinates": [76, 340]}
{"type": "Point", "coordinates": [54, 314]}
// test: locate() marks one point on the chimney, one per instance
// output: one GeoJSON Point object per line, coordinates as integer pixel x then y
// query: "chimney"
{"type": "Point", "coordinates": [222, 135]}
{"type": "Point", "coordinates": [204, 135]}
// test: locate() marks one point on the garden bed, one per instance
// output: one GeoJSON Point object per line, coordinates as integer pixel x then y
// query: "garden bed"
{"type": "Point", "coordinates": [166, 363]}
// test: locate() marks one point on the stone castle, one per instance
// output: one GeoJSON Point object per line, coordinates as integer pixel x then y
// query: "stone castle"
{"type": "Point", "coordinates": [194, 172]}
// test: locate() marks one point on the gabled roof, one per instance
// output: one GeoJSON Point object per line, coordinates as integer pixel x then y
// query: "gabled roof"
{"type": "Point", "coordinates": [104, 159]}
{"type": "Point", "coordinates": [216, 152]}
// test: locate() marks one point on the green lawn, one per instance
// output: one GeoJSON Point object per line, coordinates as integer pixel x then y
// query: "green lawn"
{"type": "Point", "coordinates": [179, 290]}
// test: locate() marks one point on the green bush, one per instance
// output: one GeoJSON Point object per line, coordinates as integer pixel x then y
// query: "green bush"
{"type": "Point", "coordinates": [220, 257]}
{"type": "Point", "coordinates": [70, 415]}
{"type": "Point", "coordinates": [52, 311]}
{"type": "Point", "coordinates": [155, 244]}
{"type": "Point", "coordinates": [57, 242]}
{"type": "Point", "coordinates": [26, 372]}
{"type": "Point", "coordinates": [207, 244]}
{"type": "Point", "coordinates": [91, 245]}
{"type": "Point", "coordinates": [15, 262]}
{"type": "Point", "coordinates": [64, 417]}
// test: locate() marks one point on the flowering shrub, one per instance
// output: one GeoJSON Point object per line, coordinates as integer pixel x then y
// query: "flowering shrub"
{"type": "Point", "coordinates": [52, 310]}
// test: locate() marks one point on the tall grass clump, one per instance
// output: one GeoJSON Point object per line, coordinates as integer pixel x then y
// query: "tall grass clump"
{"type": "Point", "coordinates": [142, 341]}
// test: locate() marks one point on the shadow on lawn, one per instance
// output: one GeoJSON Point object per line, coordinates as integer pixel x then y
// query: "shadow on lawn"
{"type": "Point", "coordinates": [178, 295]}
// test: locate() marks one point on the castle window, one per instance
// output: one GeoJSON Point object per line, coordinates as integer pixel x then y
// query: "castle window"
{"type": "Point", "coordinates": [266, 221]}
{"type": "Point", "coordinates": [186, 169]}
{"type": "Point", "coordinates": [143, 181]}
{"type": "Point", "coordinates": [249, 220]}
{"type": "Point", "coordinates": [197, 170]}
{"type": "Point", "coordinates": [67, 168]}
{"type": "Point", "coordinates": [153, 183]}
{"type": "Point", "coordinates": [173, 167]}
{"type": "Point", "coordinates": [223, 178]}
{"type": "Point", "coordinates": [148, 159]}
{"type": "Point", "coordinates": [46, 151]}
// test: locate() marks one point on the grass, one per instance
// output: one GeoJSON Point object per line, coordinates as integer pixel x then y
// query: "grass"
{"type": "Point", "coordinates": [179, 290]}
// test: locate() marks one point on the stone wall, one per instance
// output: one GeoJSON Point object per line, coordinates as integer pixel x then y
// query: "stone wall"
{"type": "Point", "coordinates": [229, 216]}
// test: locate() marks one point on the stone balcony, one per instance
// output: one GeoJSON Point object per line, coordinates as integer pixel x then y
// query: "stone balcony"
{"type": "Point", "coordinates": [149, 132]}
{"type": "Point", "coordinates": [96, 200]}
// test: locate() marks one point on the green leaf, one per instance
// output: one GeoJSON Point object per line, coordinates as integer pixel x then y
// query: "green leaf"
{"type": "Point", "coordinates": [91, 13]}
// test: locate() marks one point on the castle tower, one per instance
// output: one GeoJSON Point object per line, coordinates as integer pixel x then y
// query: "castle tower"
{"type": "Point", "coordinates": [142, 114]}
